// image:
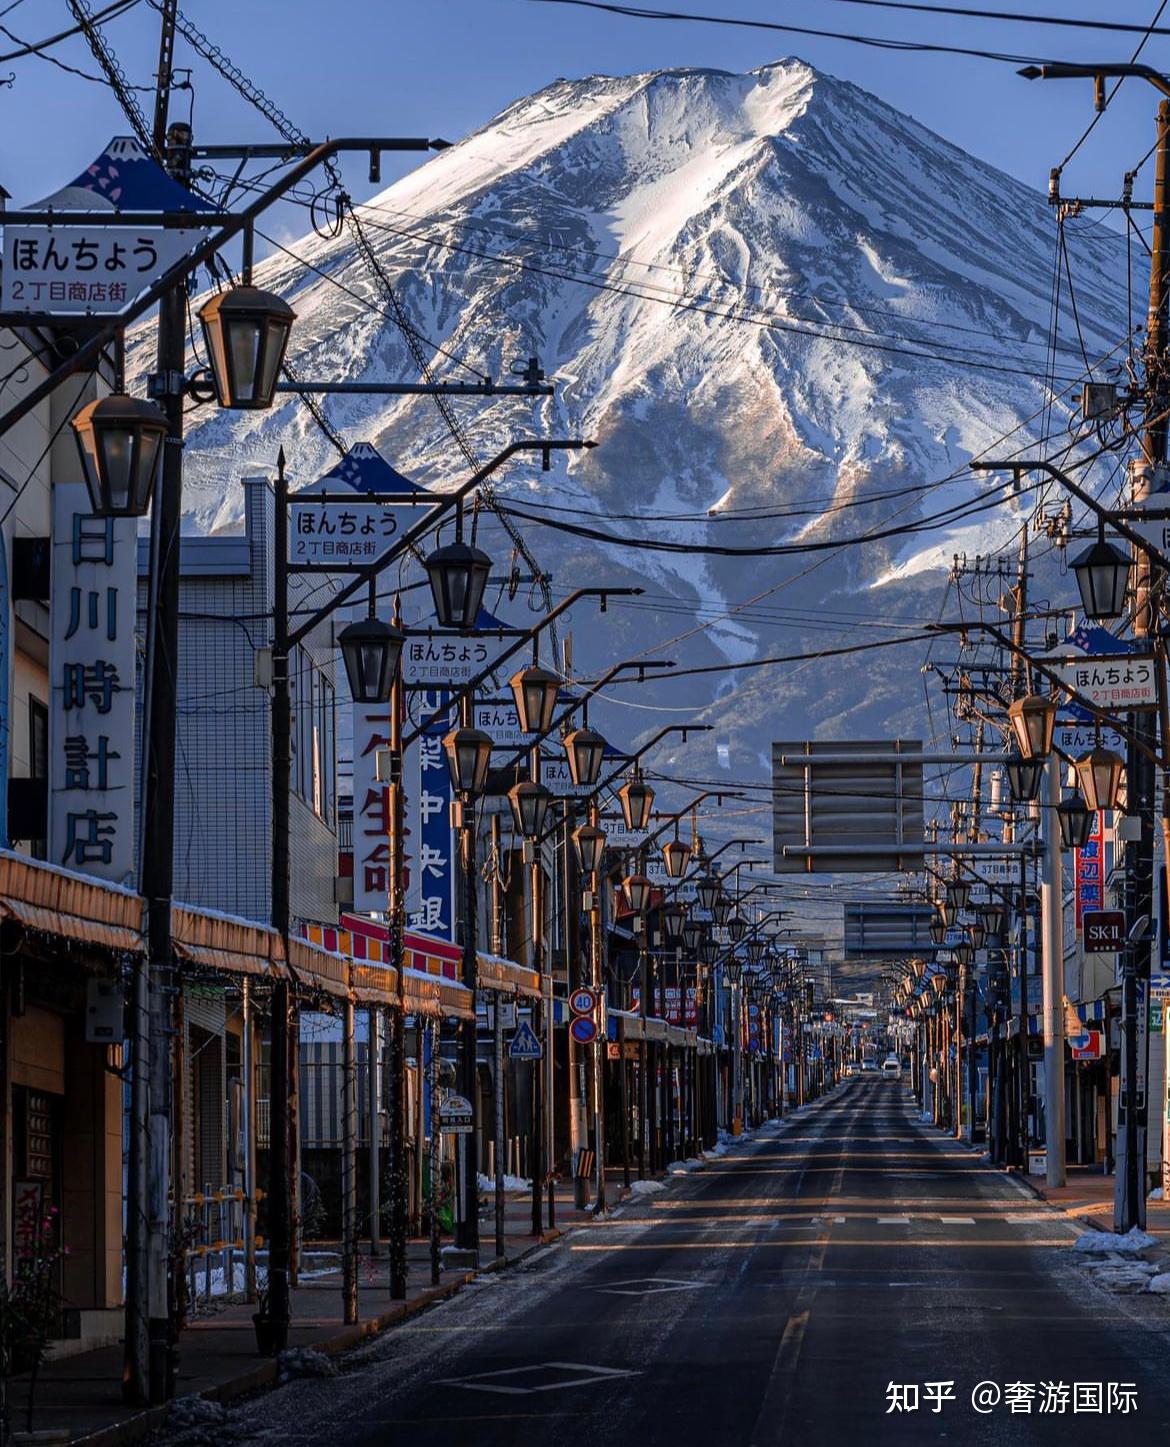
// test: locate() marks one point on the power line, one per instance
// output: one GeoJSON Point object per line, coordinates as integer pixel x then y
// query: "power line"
{"type": "Point", "coordinates": [119, 7]}
{"type": "Point", "coordinates": [638, 12]}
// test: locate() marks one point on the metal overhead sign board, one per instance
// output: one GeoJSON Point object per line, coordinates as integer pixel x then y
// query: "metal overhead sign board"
{"type": "Point", "coordinates": [84, 265]}
{"type": "Point", "coordinates": [1104, 669]}
{"type": "Point", "coordinates": [847, 807]}
{"type": "Point", "coordinates": [353, 514]}
{"type": "Point", "coordinates": [876, 931]}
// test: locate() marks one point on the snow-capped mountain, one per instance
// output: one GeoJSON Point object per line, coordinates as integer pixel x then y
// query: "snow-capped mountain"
{"type": "Point", "coordinates": [770, 297]}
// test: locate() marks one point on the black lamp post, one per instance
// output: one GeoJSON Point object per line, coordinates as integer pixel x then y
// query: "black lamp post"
{"type": "Point", "coordinates": [536, 691]}
{"type": "Point", "coordinates": [707, 892]}
{"type": "Point", "coordinates": [585, 750]}
{"type": "Point", "coordinates": [977, 934]}
{"type": "Point", "coordinates": [1024, 776]}
{"type": "Point", "coordinates": [722, 910]}
{"type": "Point", "coordinates": [676, 855]}
{"type": "Point", "coordinates": [737, 927]}
{"type": "Point", "coordinates": [590, 842]}
{"type": "Point", "coordinates": [1100, 773]}
{"type": "Point", "coordinates": [246, 331]}
{"type": "Point", "coordinates": [1033, 719]}
{"type": "Point", "coordinates": [638, 888]}
{"type": "Point", "coordinates": [710, 951]}
{"type": "Point", "coordinates": [120, 440]}
{"type": "Point", "coordinates": [637, 799]}
{"type": "Point", "coordinates": [469, 753]}
{"type": "Point", "coordinates": [693, 935]}
{"type": "Point", "coordinates": [530, 804]}
{"type": "Point", "coordinates": [674, 917]}
{"type": "Point", "coordinates": [458, 574]}
{"type": "Point", "coordinates": [1102, 574]}
{"type": "Point", "coordinates": [1076, 821]}
{"type": "Point", "coordinates": [992, 915]}
{"type": "Point", "coordinates": [938, 931]}
{"type": "Point", "coordinates": [370, 650]}
{"type": "Point", "coordinates": [958, 893]}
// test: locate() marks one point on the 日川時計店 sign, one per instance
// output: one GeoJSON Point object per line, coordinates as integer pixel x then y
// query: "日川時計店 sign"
{"type": "Point", "coordinates": [63, 270]}
{"type": "Point", "coordinates": [1121, 681]}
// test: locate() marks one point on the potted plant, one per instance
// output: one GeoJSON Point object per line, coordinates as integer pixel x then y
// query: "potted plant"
{"type": "Point", "coordinates": [30, 1302]}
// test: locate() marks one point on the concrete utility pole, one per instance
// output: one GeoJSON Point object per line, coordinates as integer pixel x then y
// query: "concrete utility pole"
{"type": "Point", "coordinates": [1129, 1203]}
{"type": "Point", "coordinates": [1052, 957]}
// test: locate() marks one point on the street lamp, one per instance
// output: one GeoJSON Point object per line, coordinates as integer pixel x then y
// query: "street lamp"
{"type": "Point", "coordinates": [530, 804]}
{"type": "Point", "coordinates": [958, 893]}
{"type": "Point", "coordinates": [469, 753]}
{"type": "Point", "coordinates": [120, 440]}
{"type": "Point", "coordinates": [737, 927]}
{"type": "Point", "coordinates": [1100, 773]}
{"type": "Point", "coordinates": [757, 950]}
{"type": "Point", "coordinates": [585, 750]}
{"type": "Point", "coordinates": [977, 934]}
{"type": "Point", "coordinates": [590, 842]}
{"type": "Point", "coordinates": [676, 855]}
{"type": "Point", "coordinates": [938, 931]}
{"type": "Point", "coordinates": [536, 691]}
{"type": "Point", "coordinates": [458, 574]}
{"type": "Point", "coordinates": [370, 650]}
{"type": "Point", "coordinates": [674, 917]}
{"type": "Point", "coordinates": [1102, 573]}
{"type": "Point", "coordinates": [1033, 719]}
{"type": "Point", "coordinates": [946, 912]}
{"type": "Point", "coordinates": [992, 918]}
{"type": "Point", "coordinates": [693, 935]}
{"type": "Point", "coordinates": [707, 892]}
{"type": "Point", "coordinates": [1076, 821]}
{"type": "Point", "coordinates": [722, 910]}
{"type": "Point", "coordinates": [246, 331]}
{"type": "Point", "coordinates": [638, 888]}
{"type": "Point", "coordinates": [637, 799]}
{"type": "Point", "coordinates": [1024, 776]}
{"type": "Point", "coordinates": [710, 951]}
{"type": "Point", "coordinates": [733, 969]}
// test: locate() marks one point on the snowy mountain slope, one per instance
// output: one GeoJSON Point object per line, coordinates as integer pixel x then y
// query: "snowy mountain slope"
{"type": "Point", "coordinates": [765, 294]}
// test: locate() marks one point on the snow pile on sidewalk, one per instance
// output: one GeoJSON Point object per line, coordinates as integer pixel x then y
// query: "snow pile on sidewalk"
{"type": "Point", "coordinates": [304, 1362]}
{"type": "Point", "coordinates": [511, 1183]}
{"type": "Point", "coordinates": [1122, 1276]}
{"type": "Point", "coordinates": [1100, 1243]}
{"type": "Point", "coordinates": [682, 1168]}
{"type": "Point", "coordinates": [646, 1188]}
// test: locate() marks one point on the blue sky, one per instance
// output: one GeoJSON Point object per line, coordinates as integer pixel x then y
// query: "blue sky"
{"type": "Point", "coordinates": [445, 67]}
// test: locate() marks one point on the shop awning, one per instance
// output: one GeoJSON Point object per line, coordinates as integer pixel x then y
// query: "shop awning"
{"type": "Point", "coordinates": [55, 901]}
{"type": "Point", "coordinates": [493, 972]}
{"type": "Point", "coordinates": [435, 997]}
{"type": "Point", "coordinates": [316, 969]}
{"type": "Point", "coordinates": [226, 944]}
{"type": "Point", "coordinates": [374, 985]}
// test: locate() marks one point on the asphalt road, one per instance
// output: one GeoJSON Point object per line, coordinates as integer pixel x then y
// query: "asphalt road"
{"type": "Point", "coordinates": [771, 1298]}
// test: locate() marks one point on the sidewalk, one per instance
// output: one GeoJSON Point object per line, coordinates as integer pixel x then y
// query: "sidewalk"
{"type": "Point", "coordinates": [1088, 1197]}
{"type": "Point", "coordinates": [218, 1359]}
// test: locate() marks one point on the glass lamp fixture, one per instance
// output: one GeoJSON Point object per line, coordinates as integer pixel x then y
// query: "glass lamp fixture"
{"type": "Point", "coordinates": [535, 690]}
{"type": "Point", "coordinates": [590, 844]}
{"type": "Point", "coordinates": [638, 888]}
{"type": "Point", "coordinates": [530, 805]}
{"type": "Point", "coordinates": [585, 750]}
{"type": "Point", "coordinates": [1024, 776]}
{"type": "Point", "coordinates": [1076, 821]}
{"type": "Point", "coordinates": [469, 753]}
{"type": "Point", "coordinates": [707, 892]}
{"type": "Point", "coordinates": [1033, 719]}
{"type": "Point", "coordinates": [676, 855]}
{"type": "Point", "coordinates": [246, 331]}
{"type": "Point", "coordinates": [637, 799]}
{"type": "Point", "coordinates": [458, 574]}
{"type": "Point", "coordinates": [1102, 574]}
{"type": "Point", "coordinates": [370, 650]}
{"type": "Point", "coordinates": [1100, 773]}
{"type": "Point", "coordinates": [120, 440]}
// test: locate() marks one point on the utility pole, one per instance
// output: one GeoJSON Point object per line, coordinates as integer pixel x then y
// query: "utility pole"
{"type": "Point", "coordinates": [1129, 1205]}
{"type": "Point", "coordinates": [467, 1228]}
{"type": "Point", "coordinates": [536, 891]}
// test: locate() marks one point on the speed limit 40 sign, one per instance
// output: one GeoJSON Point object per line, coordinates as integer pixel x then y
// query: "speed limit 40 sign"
{"type": "Point", "coordinates": [583, 1002]}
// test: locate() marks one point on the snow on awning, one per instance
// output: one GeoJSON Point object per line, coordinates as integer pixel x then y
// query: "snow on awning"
{"type": "Point", "coordinates": [71, 906]}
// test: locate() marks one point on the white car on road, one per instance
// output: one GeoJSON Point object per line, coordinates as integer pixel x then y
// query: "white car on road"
{"type": "Point", "coordinates": [891, 1068]}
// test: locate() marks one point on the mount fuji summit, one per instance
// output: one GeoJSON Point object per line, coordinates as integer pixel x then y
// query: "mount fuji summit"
{"type": "Point", "coordinates": [788, 314]}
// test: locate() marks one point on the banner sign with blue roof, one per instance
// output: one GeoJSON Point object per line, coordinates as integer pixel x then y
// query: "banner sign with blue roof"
{"type": "Point", "coordinates": [328, 530]}
{"type": "Point", "coordinates": [1110, 672]}
{"type": "Point", "coordinates": [82, 267]}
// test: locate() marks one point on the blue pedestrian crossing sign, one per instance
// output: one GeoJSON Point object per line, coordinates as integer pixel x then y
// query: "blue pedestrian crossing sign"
{"type": "Point", "coordinates": [524, 1045]}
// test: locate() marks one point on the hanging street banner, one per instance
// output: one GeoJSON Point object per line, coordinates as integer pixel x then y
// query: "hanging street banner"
{"type": "Point", "coordinates": [81, 266]}
{"type": "Point", "coordinates": [431, 895]}
{"type": "Point", "coordinates": [431, 659]}
{"type": "Point", "coordinates": [371, 810]}
{"type": "Point", "coordinates": [351, 515]}
{"type": "Point", "coordinates": [92, 753]}
{"type": "Point", "coordinates": [1089, 871]}
{"type": "Point", "coordinates": [1105, 669]}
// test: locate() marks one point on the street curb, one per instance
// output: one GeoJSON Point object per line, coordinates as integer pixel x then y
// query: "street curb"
{"type": "Point", "coordinates": [265, 1373]}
